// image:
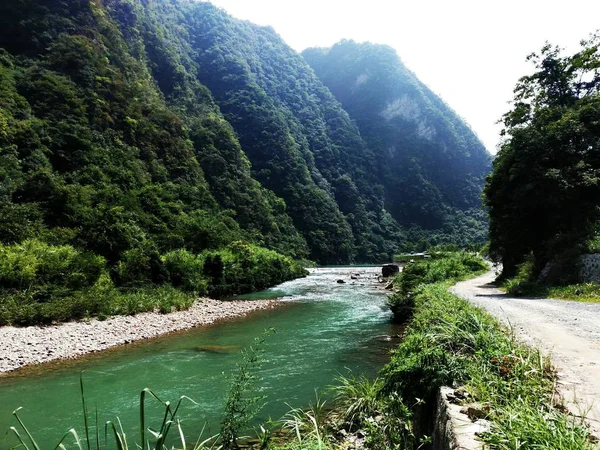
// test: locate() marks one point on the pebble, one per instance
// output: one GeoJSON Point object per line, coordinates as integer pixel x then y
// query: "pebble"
{"type": "Point", "coordinates": [21, 346]}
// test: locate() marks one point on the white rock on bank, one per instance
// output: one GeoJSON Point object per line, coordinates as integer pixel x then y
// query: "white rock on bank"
{"type": "Point", "coordinates": [24, 346]}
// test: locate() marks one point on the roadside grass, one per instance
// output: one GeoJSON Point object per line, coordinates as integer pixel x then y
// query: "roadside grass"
{"type": "Point", "coordinates": [451, 342]}
{"type": "Point", "coordinates": [525, 284]}
{"type": "Point", "coordinates": [454, 266]}
{"type": "Point", "coordinates": [582, 292]}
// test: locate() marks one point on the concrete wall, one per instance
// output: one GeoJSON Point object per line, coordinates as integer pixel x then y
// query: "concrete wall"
{"type": "Point", "coordinates": [590, 268]}
{"type": "Point", "coordinates": [453, 428]}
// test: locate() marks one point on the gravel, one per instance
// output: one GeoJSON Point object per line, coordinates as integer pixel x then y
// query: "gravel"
{"type": "Point", "coordinates": [20, 347]}
{"type": "Point", "coordinates": [567, 331]}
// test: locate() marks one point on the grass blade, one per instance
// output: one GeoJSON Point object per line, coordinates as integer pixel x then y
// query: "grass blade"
{"type": "Point", "coordinates": [35, 446]}
{"type": "Point", "coordinates": [85, 412]}
{"type": "Point", "coordinates": [14, 430]}
{"type": "Point", "coordinates": [75, 435]}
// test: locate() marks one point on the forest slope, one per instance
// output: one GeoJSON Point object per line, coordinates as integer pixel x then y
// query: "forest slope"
{"type": "Point", "coordinates": [432, 165]}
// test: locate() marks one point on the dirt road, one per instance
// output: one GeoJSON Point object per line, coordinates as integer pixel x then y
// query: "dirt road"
{"type": "Point", "coordinates": [568, 331]}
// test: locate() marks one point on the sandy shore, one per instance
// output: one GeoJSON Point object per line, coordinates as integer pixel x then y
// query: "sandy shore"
{"type": "Point", "coordinates": [21, 347]}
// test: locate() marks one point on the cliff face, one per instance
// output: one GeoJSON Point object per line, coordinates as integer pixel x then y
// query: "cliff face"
{"type": "Point", "coordinates": [432, 165]}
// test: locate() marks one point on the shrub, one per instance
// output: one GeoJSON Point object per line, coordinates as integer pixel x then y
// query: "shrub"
{"type": "Point", "coordinates": [34, 264]}
{"type": "Point", "coordinates": [443, 266]}
{"type": "Point", "coordinates": [186, 271]}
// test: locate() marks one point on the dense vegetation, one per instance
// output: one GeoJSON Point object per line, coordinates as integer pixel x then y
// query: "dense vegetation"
{"type": "Point", "coordinates": [441, 267]}
{"type": "Point", "coordinates": [447, 342]}
{"type": "Point", "coordinates": [44, 283]}
{"type": "Point", "coordinates": [543, 193]}
{"type": "Point", "coordinates": [139, 136]}
{"type": "Point", "coordinates": [430, 163]}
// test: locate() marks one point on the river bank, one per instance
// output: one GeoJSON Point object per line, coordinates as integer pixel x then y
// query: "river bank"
{"type": "Point", "coordinates": [323, 329]}
{"type": "Point", "coordinates": [24, 346]}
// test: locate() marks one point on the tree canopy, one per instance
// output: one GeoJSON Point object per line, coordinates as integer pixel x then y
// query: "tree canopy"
{"type": "Point", "coordinates": [543, 192]}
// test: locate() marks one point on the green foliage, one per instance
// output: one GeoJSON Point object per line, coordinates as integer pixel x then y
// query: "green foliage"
{"type": "Point", "coordinates": [441, 267]}
{"type": "Point", "coordinates": [542, 194]}
{"type": "Point", "coordinates": [358, 397]}
{"type": "Point", "coordinates": [449, 341]}
{"type": "Point", "coordinates": [301, 144]}
{"type": "Point", "coordinates": [431, 166]}
{"type": "Point", "coordinates": [186, 271]}
{"type": "Point", "coordinates": [128, 126]}
{"type": "Point", "coordinates": [242, 405]}
{"type": "Point", "coordinates": [35, 265]}
{"type": "Point", "coordinates": [42, 283]}
{"type": "Point", "coordinates": [244, 267]}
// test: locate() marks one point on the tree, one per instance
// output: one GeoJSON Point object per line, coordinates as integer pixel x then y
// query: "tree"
{"type": "Point", "coordinates": [543, 192]}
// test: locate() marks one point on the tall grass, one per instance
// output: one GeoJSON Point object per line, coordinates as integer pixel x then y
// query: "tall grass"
{"type": "Point", "coordinates": [112, 435]}
{"type": "Point", "coordinates": [449, 341]}
{"type": "Point", "coordinates": [441, 267]}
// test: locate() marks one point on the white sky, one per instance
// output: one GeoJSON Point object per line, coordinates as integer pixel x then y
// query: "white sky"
{"type": "Point", "coordinates": [470, 52]}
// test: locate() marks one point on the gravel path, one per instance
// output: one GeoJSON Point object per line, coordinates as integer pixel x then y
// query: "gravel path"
{"type": "Point", "coordinates": [568, 331]}
{"type": "Point", "coordinates": [20, 347]}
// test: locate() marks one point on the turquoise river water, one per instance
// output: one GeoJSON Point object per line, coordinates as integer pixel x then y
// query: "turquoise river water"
{"type": "Point", "coordinates": [324, 329]}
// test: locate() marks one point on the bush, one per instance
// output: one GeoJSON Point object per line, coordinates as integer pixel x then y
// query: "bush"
{"type": "Point", "coordinates": [140, 267]}
{"type": "Point", "coordinates": [443, 266]}
{"type": "Point", "coordinates": [243, 267]}
{"type": "Point", "coordinates": [186, 271]}
{"type": "Point", "coordinates": [35, 264]}
{"type": "Point", "coordinates": [42, 283]}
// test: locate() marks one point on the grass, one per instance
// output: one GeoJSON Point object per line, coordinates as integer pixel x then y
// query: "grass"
{"type": "Point", "coordinates": [525, 284]}
{"type": "Point", "coordinates": [582, 292]}
{"type": "Point", "coordinates": [449, 342]}
{"type": "Point", "coordinates": [443, 266]}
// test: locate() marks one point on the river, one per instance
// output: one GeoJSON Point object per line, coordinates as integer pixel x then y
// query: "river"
{"type": "Point", "coordinates": [324, 329]}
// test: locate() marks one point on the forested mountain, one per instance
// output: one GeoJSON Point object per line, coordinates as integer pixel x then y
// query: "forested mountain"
{"type": "Point", "coordinates": [431, 164]}
{"type": "Point", "coordinates": [164, 142]}
{"type": "Point", "coordinates": [301, 143]}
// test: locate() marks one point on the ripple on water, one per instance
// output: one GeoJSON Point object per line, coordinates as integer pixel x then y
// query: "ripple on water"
{"type": "Point", "coordinates": [326, 329]}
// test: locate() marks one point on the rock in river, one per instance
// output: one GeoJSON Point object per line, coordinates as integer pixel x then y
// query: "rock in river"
{"type": "Point", "coordinates": [389, 270]}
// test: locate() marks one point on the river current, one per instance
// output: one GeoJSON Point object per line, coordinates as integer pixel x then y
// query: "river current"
{"type": "Point", "coordinates": [324, 329]}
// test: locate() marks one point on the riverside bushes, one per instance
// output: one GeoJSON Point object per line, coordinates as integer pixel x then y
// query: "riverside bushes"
{"type": "Point", "coordinates": [450, 342]}
{"type": "Point", "coordinates": [442, 266]}
{"type": "Point", "coordinates": [42, 283]}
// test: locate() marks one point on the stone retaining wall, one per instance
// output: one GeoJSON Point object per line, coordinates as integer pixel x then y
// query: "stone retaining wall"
{"type": "Point", "coordinates": [590, 268]}
{"type": "Point", "coordinates": [453, 428]}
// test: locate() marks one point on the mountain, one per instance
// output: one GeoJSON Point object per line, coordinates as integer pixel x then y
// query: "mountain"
{"type": "Point", "coordinates": [431, 164]}
{"type": "Point", "coordinates": [301, 143]}
{"type": "Point", "coordinates": [155, 126]}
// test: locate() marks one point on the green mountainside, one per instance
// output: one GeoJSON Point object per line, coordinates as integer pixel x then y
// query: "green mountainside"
{"type": "Point", "coordinates": [431, 164]}
{"type": "Point", "coordinates": [172, 144]}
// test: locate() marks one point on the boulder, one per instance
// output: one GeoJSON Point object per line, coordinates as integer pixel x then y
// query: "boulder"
{"type": "Point", "coordinates": [389, 270]}
{"type": "Point", "coordinates": [341, 281]}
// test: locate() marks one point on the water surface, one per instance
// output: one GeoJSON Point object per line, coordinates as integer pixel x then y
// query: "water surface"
{"type": "Point", "coordinates": [324, 329]}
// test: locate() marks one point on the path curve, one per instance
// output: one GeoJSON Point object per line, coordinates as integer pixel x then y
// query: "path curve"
{"type": "Point", "coordinates": [568, 331]}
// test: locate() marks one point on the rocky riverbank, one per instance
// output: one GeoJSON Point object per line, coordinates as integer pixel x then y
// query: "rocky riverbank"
{"type": "Point", "coordinates": [20, 347]}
